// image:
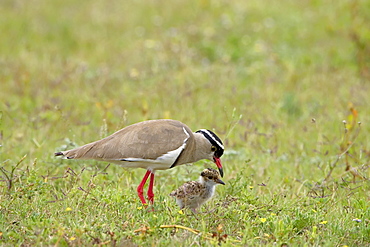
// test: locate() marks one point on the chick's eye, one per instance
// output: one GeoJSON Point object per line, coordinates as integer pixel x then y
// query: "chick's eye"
{"type": "Point", "coordinates": [213, 148]}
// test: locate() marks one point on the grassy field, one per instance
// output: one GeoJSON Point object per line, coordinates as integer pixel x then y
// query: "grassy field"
{"type": "Point", "coordinates": [274, 79]}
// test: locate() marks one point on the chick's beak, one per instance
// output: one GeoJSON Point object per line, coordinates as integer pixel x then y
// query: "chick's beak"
{"type": "Point", "coordinates": [219, 165]}
{"type": "Point", "coordinates": [219, 181]}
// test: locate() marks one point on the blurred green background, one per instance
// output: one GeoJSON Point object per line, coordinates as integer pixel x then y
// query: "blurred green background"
{"type": "Point", "coordinates": [255, 72]}
{"type": "Point", "coordinates": [68, 65]}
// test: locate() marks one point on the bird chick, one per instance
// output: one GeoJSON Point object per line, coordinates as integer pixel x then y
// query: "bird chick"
{"type": "Point", "coordinates": [195, 193]}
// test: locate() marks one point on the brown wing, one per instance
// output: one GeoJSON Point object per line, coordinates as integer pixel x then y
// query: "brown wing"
{"type": "Point", "coordinates": [145, 140]}
{"type": "Point", "coordinates": [188, 190]}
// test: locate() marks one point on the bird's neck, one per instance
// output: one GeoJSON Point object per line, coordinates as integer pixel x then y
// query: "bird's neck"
{"type": "Point", "coordinates": [201, 147]}
{"type": "Point", "coordinates": [210, 187]}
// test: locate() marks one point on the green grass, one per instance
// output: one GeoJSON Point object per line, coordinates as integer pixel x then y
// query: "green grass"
{"type": "Point", "coordinates": [257, 72]}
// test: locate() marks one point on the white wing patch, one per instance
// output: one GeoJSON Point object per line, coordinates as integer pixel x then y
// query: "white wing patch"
{"type": "Point", "coordinates": [170, 157]}
{"type": "Point", "coordinates": [162, 162]}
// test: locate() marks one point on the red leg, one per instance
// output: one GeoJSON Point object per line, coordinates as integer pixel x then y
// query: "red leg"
{"type": "Point", "coordinates": [150, 189]}
{"type": "Point", "coordinates": [141, 186]}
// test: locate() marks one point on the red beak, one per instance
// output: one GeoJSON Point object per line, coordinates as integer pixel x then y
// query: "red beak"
{"type": "Point", "coordinates": [219, 165]}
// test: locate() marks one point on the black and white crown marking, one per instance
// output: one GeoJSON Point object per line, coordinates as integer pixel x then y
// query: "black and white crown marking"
{"type": "Point", "coordinates": [214, 140]}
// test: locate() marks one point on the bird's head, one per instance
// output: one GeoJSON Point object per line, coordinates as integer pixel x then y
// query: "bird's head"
{"type": "Point", "coordinates": [216, 147]}
{"type": "Point", "coordinates": [211, 176]}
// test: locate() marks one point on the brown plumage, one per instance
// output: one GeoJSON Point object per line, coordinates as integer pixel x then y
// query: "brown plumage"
{"type": "Point", "coordinates": [195, 193]}
{"type": "Point", "coordinates": [152, 145]}
{"type": "Point", "coordinates": [153, 140]}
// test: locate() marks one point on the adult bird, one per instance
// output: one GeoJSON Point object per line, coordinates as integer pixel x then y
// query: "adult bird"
{"type": "Point", "coordinates": [153, 145]}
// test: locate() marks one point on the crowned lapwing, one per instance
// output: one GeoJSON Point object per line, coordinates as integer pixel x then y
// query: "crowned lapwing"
{"type": "Point", "coordinates": [195, 193]}
{"type": "Point", "coordinates": [152, 145]}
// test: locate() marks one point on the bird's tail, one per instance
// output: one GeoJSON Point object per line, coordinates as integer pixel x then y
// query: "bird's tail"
{"type": "Point", "coordinates": [58, 154]}
{"type": "Point", "coordinates": [83, 152]}
{"type": "Point", "coordinates": [70, 154]}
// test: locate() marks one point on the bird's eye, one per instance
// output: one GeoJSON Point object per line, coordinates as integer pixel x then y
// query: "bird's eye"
{"type": "Point", "coordinates": [213, 148]}
{"type": "Point", "coordinates": [210, 177]}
